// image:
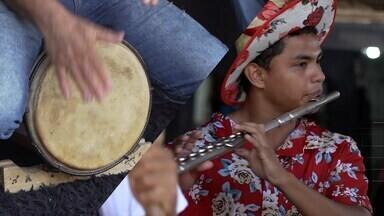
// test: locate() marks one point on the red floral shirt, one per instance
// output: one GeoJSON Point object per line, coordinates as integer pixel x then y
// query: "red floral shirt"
{"type": "Point", "coordinates": [329, 163]}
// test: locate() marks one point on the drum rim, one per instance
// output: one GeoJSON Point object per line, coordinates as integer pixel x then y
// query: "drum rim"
{"type": "Point", "coordinates": [34, 90]}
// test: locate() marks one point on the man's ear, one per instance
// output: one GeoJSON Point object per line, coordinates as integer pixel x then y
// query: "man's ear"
{"type": "Point", "coordinates": [255, 74]}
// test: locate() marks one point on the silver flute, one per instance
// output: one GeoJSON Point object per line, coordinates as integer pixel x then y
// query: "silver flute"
{"type": "Point", "coordinates": [226, 144]}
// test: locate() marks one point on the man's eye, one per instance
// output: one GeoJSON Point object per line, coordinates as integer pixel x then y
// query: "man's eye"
{"type": "Point", "coordinates": [302, 64]}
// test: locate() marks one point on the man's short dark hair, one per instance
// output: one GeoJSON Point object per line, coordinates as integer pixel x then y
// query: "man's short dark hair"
{"type": "Point", "coordinates": [265, 58]}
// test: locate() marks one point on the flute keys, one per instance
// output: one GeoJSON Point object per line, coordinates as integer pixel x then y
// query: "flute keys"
{"type": "Point", "coordinates": [229, 145]}
{"type": "Point", "coordinates": [219, 145]}
{"type": "Point", "coordinates": [232, 136]}
{"type": "Point", "coordinates": [192, 155]}
{"type": "Point", "coordinates": [239, 134]}
{"type": "Point", "coordinates": [181, 159]}
{"type": "Point", "coordinates": [210, 147]}
{"type": "Point", "coordinates": [202, 150]}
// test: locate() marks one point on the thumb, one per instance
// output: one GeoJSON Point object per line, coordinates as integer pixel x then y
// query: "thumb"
{"type": "Point", "coordinates": [205, 166]}
{"type": "Point", "coordinates": [243, 153]}
{"type": "Point", "coordinates": [107, 35]}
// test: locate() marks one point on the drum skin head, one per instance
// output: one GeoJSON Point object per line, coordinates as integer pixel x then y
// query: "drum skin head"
{"type": "Point", "coordinates": [88, 136]}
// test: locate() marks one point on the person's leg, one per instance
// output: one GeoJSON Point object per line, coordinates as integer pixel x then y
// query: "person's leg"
{"type": "Point", "coordinates": [178, 51]}
{"type": "Point", "coordinates": [19, 46]}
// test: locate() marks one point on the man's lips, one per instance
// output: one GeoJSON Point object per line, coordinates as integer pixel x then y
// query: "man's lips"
{"type": "Point", "coordinates": [315, 95]}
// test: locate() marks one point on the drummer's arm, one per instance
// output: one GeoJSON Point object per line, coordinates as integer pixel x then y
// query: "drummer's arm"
{"type": "Point", "coordinates": [42, 11]}
{"type": "Point", "coordinates": [71, 43]}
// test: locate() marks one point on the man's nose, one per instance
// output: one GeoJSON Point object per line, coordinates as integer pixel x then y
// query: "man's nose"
{"type": "Point", "coordinates": [318, 75]}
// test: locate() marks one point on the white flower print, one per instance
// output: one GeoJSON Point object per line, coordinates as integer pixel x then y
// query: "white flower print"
{"type": "Point", "coordinates": [336, 192]}
{"type": "Point", "coordinates": [350, 170]}
{"type": "Point", "coordinates": [241, 209]}
{"type": "Point", "coordinates": [299, 158]}
{"type": "Point", "coordinates": [352, 193]}
{"type": "Point", "coordinates": [226, 203]}
{"type": "Point", "coordinates": [298, 132]}
{"type": "Point", "coordinates": [270, 199]}
{"type": "Point", "coordinates": [218, 124]}
{"type": "Point", "coordinates": [285, 162]}
{"type": "Point", "coordinates": [313, 141]}
{"type": "Point", "coordinates": [339, 138]}
{"type": "Point", "coordinates": [325, 145]}
{"type": "Point", "coordinates": [323, 186]}
{"type": "Point", "coordinates": [353, 148]}
{"type": "Point", "coordinates": [314, 177]}
{"type": "Point", "coordinates": [242, 174]}
{"type": "Point", "coordinates": [326, 139]}
{"type": "Point", "coordinates": [196, 191]}
{"type": "Point", "coordinates": [293, 211]}
{"type": "Point", "coordinates": [335, 174]}
{"type": "Point", "coordinates": [222, 204]}
{"type": "Point", "coordinates": [207, 133]}
{"type": "Point", "coordinates": [343, 168]}
{"type": "Point", "coordinates": [325, 152]}
{"type": "Point", "coordinates": [239, 170]}
{"type": "Point", "coordinates": [198, 144]}
{"type": "Point", "coordinates": [287, 145]}
{"type": "Point", "coordinates": [311, 182]}
{"type": "Point", "coordinates": [270, 212]}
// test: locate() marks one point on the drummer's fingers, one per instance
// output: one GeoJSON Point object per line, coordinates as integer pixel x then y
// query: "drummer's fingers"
{"type": "Point", "coordinates": [101, 73]}
{"type": "Point", "coordinates": [63, 82]}
{"type": "Point", "coordinates": [80, 82]}
{"type": "Point", "coordinates": [91, 79]}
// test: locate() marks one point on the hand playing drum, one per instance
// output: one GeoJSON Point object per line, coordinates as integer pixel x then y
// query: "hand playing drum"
{"type": "Point", "coordinates": [72, 48]}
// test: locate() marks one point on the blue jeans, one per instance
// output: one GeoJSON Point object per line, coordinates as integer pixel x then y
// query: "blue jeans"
{"type": "Point", "coordinates": [178, 51]}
